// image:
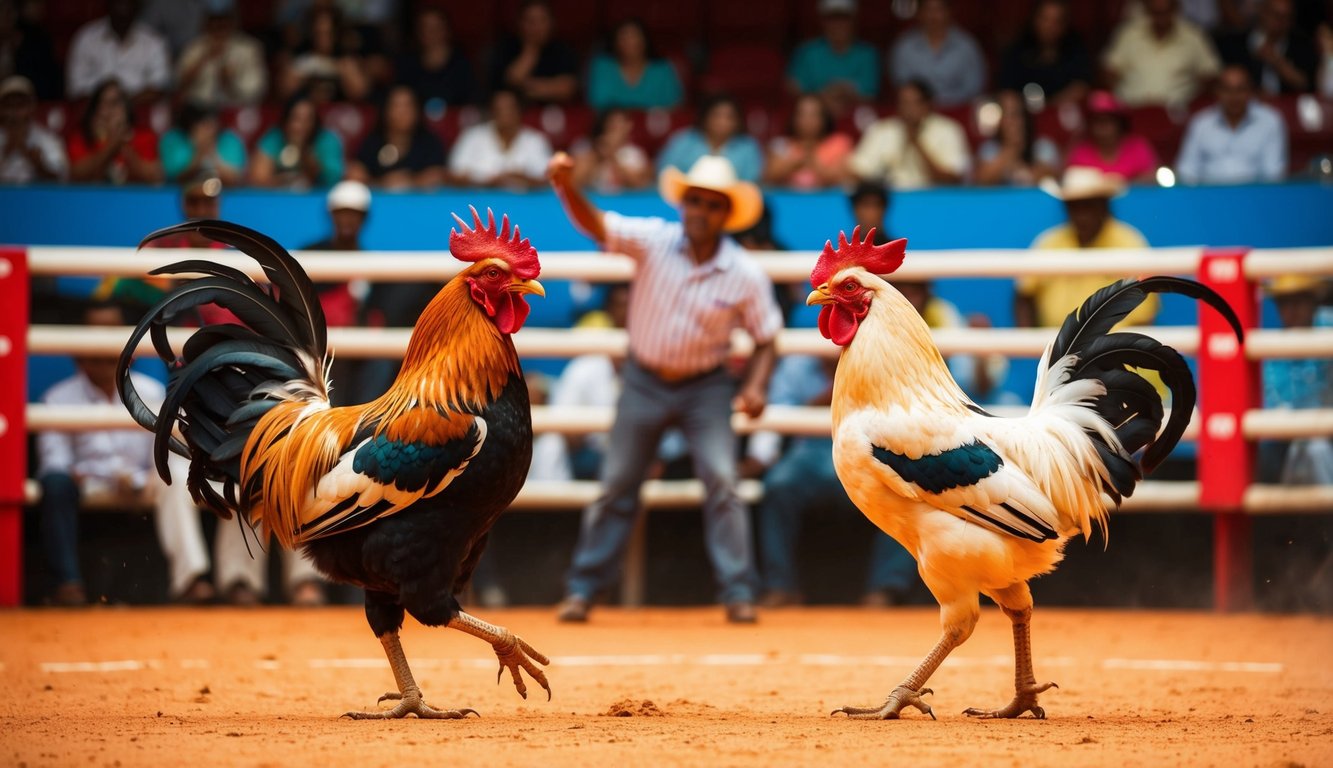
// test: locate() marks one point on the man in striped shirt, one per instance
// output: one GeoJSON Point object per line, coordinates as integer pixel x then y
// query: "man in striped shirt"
{"type": "Point", "coordinates": [693, 286]}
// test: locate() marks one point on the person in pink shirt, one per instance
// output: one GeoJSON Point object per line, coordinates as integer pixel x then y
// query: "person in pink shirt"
{"type": "Point", "coordinates": [812, 155]}
{"type": "Point", "coordinates": [1110, 146]}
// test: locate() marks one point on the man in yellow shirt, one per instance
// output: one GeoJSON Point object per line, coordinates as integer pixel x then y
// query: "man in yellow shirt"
{"type": "Point", "coordinates": [1087, 193]}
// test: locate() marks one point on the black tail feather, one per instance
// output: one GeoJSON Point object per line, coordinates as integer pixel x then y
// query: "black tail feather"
{"type": "Point", "coordinates": [1131, 404]}
{"type": "Point", "coordinates": [211, 384]}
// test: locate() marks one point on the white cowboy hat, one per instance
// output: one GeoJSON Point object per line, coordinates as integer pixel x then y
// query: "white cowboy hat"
{"type": "Point", "coordinates": [716, 173]}
{"type": "Point", "coordinates": [1084, 182]}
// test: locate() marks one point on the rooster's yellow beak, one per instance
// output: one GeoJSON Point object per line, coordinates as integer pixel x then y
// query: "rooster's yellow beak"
{"type": "Point", "coordinates": [528, 286]}
{"type": "Point", "coordinates": [819, 295]}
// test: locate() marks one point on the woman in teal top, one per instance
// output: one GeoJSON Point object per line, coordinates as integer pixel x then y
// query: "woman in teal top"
{"type": "Point", "coordinates": [629, 77]}
{"type": "Point", "coordinates": [298, 152]}
{"type": "Point", "coordinates": [719, 131]}
{"type": "Point", "coordinates": [197, 147]}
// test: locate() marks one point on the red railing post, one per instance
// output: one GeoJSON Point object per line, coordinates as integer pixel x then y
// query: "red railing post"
{"type": "Point", "coordinates": [1229, 385]}
{"type": "Point", "coordinates": [13, 432]}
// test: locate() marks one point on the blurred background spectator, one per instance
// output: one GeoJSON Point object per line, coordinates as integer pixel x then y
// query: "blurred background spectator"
{"type": "Point", "coordinates": [1236, 141]}
{"type": "Point", "coordinates": [1159, 57]}
{"type": "Point", "coordinates": [838, 66]}
{"type": "Point", "coordinates": [533, 62]}
{"type": "Point", "coordinates": [400, 153]}
{"type": "Point", "coordinates": [115, 464]}
{"type": "Point", "coordinates": [28, 151]}
{"type": "Point", "coordinates": [1324, 36]}
{"type": "Point", "coordinates": [501, 152]}
{"type": "Point", "coordinates": [1086, 193]}
{"type": "Point", "coordinates": [717, 131]}
{"type": "Point", "coordinates": [434, 67]}
{"type": "Point", "coordinates": [299, 152]}
{"type": "Point", "coordinates": [1015, 154]}
{"type": "Point", "coordinates": [608, 160]}
{"type": "Point", "coordinates": [121, 47]}
{"type": "Point", "coordinates": [916, 148]}
{"type": "Point", "coordinates": [1279, 57]}
{"type": "Point", "coordinates": [1297, 383]}
{"type": "Point", "coordinates": [812, 154]}
{"type": "Point", "coordinates": [222, 67]}
{"type": "Point", "coordinates": [1110, 145]}
{"type": "Point", "coordinates": [630, 75]}
{"type": "Point", "coordinates": [26, 49]}
{"type": "Point", "coordinates": [1049, 56]}
{"type": "Point", "coordinates": [941, 54]}
{"type": "Point", "coordinates": [108, 147]}
{"type": "Point", "coordinates": [198, 146]}
{"type": "Point", "coordinates": [326, 65]}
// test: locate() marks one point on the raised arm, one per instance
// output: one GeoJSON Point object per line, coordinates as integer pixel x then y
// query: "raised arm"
{"type": "Point", "coordinates": [586, 217]}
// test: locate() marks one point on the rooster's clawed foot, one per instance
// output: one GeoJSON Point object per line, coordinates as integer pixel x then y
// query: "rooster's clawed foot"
{"type": "Point", "coordinates": [892, 706]}
{"type": "Point", "coordinates": [411, 703]}
{"type": "Point", "coordinates": [515, 654]}
{"type": "Point", "coordinates": [1024, 701]}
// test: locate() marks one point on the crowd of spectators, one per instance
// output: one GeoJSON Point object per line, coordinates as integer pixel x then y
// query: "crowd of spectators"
{"type": "Point", "coordinates": [157, 90]}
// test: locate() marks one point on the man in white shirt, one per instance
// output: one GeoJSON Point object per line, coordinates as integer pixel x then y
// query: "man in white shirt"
{"type": "Point", "coordinates": [115, 462]}
{"type": "Point", "coordinates": [28, 152]}
{"type": "Point", "coordinates": [693, 286]}
{"type": "Point", "coordinates": [1159, 57]}
{"type": "Point", "coordinates": [1236, 141]}
{"type": "Point", "coordinates": [916, 148]}
{"type": "Point", "coordinates": [502, 152]}
{"type": "Point", "coordinates": [119, 46]}
{"type": "Point", "coordinates": [222, 67]}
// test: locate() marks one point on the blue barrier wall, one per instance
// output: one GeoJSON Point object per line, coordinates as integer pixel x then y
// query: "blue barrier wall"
{"type": "Point", "coordinates": [1260, 216]}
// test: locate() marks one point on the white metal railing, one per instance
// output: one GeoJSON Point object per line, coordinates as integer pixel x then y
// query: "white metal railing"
{"type": "Point", "coordinates": [781, 266]}
{"type": "Point", "coordinates": [564, 343]}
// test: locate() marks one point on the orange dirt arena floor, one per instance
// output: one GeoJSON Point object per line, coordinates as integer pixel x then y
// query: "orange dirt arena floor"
{"type": "Point", "coordinates": [660, 687]}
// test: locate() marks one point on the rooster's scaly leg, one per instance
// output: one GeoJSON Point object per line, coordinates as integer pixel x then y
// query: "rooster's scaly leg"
{"type": "Point", "coordinates": [1025, 682]}
{"type": "Point", "coordinates": [408, 696]}
{"type": "Point", "coordinates": [513, 651]}
{"type": "Point", "coordinates": [910, 692]}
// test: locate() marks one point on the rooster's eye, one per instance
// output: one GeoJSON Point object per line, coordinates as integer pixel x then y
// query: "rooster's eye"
{"type": "Point", "coordinates": [493, 273]}
{"type": "Point", "coordinates": [849, 286]}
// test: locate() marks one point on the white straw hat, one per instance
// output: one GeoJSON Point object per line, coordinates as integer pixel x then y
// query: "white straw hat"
{"type": "Point", "coordinates": [1082, 182]}
{"type": "Point", "coordinates": [351, 195]}
{"type": "Point", "coordinates": [716, 173]}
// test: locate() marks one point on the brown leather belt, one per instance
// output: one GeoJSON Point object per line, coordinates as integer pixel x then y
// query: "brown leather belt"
{"type": "Point", "coordinates": [668, 375]}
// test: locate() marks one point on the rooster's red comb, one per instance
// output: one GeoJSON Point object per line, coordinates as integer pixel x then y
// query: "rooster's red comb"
{"type": "Point", "coordinates": [484, 242]}
{"type": "Point", "coordinates": [876, 259]}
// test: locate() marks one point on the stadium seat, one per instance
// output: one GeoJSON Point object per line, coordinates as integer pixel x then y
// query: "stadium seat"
{"type": "Point", "coordinates": [673, 25]}
{"type": "Point", "coordinates": [1309, 128]}
{"type": "Point", "coordinates": [1162, 127]}
{"type": "Point", "coordinates": [729, 23]}
{"type": "Point", "coordinates": [350, 121]}
{"type": "Point", "coordinates": [750, 72]}
{"type": "Point", "coordinates": [563, 125]}
{"type": "Point", "coordinates": [653, 127]}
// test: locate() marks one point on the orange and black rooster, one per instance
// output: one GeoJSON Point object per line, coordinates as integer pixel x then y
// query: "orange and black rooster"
{"type": "Point", "coordinates": [396, 495]}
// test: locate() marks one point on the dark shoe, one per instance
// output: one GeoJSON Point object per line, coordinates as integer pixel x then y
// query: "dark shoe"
{"type": "Point", "coordinates": [69, 595]}
{"type": "Point", "coordinates": [200, 592]}
{"type": "Point", "coordinates": [741, 613]}
{"type": "Point", "coordinates": [573, 610]}
{"type": "Point", "coordinates": [781, 598]}
{"type": "Point", "coordinates": [241, 595]}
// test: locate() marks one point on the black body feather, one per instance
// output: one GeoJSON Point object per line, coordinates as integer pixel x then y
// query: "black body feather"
{"type": "Point", "coordinates": [1131, 404]}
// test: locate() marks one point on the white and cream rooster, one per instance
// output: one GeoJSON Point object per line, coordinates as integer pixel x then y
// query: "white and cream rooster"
{"type": "Point", "coordinates": [984, 503]}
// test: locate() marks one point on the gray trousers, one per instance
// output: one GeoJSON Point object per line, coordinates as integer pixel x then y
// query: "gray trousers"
{"type": "Point", "coordinates": [701, 409]}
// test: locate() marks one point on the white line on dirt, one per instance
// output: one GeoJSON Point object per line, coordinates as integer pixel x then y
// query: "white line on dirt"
{"type": "Point", "coordinates": [706, 660]}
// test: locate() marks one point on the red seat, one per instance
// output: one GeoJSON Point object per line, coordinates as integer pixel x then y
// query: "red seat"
{"type": "Point", "coordinates": [730, 23]}
{"type": "Point", "coordinates": [449, 123]}
{"type": "Point", "coordinates": [673, 25]}
{"type": "Point", "coordinates": [1163, 128]}
{"type": "Point", "coordinates": [1309, 128]}
{"type": "Point", "coordinates": [563, 125]}
{"type": "Point", "coordinates": [653, 127]}
{"type": "Point", "coordinates": [351, 122]}
{"type": "Point", "coordinates": [751, 73]}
